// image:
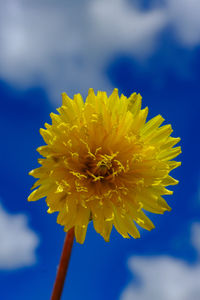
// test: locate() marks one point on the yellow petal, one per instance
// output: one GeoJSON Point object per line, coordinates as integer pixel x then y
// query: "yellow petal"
{"type": "Point", "coordinates": [169, 181]}
{"type": "Point", "coordinates": [152, 125]}
{"type": "Point", "coordinates": [80, 233]}
{"type": "Point", "coordinates": [169, 154]}
{"type": "Point", "coordinates": [39, 193]}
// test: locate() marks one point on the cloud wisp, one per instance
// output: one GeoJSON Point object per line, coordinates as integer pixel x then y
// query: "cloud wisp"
{"type": "Point", "coordinates": [18, 241]}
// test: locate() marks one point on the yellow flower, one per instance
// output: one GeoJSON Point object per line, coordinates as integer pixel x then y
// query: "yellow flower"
{"type": "Point", "coordinates": [104, 163]}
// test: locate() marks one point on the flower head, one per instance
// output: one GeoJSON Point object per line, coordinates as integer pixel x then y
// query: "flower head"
{"type": "Point", "coordinates": [103, 163]}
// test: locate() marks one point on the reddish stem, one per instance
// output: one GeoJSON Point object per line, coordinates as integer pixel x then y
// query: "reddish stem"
{"type": "Point", "coordinates": [63, 266]}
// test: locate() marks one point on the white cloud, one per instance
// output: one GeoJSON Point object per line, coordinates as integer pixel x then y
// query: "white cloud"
{"type": "Point", "coordinates": [163, 277]}
{"type": "Point", "coordinates": [124, 27]}
{"type": "Point", "coordinates": [66, 45]}
{"type": "Point", "coordinates": [18, 242]}
{"type": "Point", "coordinates": [184, 17]}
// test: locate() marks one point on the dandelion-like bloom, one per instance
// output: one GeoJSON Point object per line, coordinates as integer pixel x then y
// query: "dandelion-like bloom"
{"type": "Point", "coordinates": [104, 163]}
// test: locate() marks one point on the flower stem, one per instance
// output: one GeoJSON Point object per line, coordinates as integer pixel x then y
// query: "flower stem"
{"type": "Point", "coordinates": [63, 266]}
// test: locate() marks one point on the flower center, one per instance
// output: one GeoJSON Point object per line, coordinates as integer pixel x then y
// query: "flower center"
{"type": "Point", "coordinates": [102, 166]}
{"type": "Point", "coordinates": [105, 166]}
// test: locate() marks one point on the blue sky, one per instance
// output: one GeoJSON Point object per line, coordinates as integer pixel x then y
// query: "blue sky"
{"type": "Point", "coordinates": [48, 47]}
